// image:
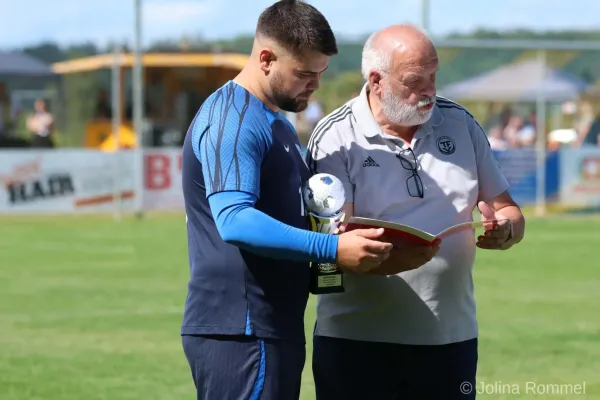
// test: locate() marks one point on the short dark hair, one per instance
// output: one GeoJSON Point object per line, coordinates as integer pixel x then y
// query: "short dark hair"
{"type": "Point", "coordinates": [297, 27]}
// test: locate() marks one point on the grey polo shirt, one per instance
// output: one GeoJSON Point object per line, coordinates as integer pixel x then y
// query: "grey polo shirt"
{"type": "Point", "coordinates": [433, 304]}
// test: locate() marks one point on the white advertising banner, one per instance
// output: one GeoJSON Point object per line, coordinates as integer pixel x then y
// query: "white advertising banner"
{"type": "Point", "coordinates": [62, 180]}
{"type": "Point", "coordinates": [162, 182]}
{"type": "Point", "coordinates": [580, 177]}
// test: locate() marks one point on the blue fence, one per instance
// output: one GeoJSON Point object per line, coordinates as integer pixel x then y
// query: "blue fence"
{"type": "Point", "coordinates": [520, 169]}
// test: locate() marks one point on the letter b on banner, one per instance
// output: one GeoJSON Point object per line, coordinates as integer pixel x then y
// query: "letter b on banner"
{"type": "Point", "coordinates": [158, 172]}
{"type": "Point", "coordinates": [162, 170]}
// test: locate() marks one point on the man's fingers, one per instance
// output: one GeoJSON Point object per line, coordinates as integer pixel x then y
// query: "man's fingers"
{"type": "Point", "coordinates": [371, 261]}
{"type": "Point", "coordinates": [492, 238]}
{"type": "Point", "coordinates": [490, 242]}
{"type": "Point", "coordinates": [384, 256]}
{"type": "Point", "coordinates": [497, 226]}
{"type": "Point", "coordinates": [375, 257]}
{"type": "Point", "coordinates": [500, 229]}
{"type": "Point", "coordinates": [376, 246]}
{"type": "Point", "coordinates": [493, 244]}
{"type": "Point", "coordinates": [500, 234]}
{"type": "Point", "coordinates": [489, 246]}
{"type": "Point", "coordinates": [369, 233]}
{"type": "Point", "coordinates": [494, 235]}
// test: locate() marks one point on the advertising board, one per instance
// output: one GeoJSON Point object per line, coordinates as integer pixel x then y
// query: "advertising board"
{"type": "Point", "coordinates": [580, 177]}
{"type": "Point", "coordinates": [64, 181]}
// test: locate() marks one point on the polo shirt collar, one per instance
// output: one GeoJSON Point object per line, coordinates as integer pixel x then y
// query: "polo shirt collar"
{"type": "Point", "coordinates": [369, 126]}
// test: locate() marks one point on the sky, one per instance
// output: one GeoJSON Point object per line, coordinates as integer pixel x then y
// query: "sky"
{"type": "Point", "coordinates": [102, 21]}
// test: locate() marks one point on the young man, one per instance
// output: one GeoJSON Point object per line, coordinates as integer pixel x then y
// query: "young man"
{"type": "Point", "coordinates": [248, 237]}
{"type": "Point", "coordinates": [408, 329]}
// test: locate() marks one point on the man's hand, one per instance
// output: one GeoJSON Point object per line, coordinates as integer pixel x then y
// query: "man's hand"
{"type": "Point", "coordinates": [406, 257]}
{"type": "Point", "coordinates": [361, 250]}
{"type": "Point", "coordinates": [497, 235]}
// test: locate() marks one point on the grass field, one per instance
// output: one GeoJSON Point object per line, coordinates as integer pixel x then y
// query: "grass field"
{"type": "Point", "coordinates": [91, 309]}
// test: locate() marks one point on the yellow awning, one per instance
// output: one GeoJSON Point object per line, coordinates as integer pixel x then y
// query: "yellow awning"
{"type": "Point", "coordinates": [149, 60]}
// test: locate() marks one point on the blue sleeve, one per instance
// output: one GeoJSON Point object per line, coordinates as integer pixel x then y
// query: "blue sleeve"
{"type": "Point", "coordinates": [230, 139]}
{"type": "Point", "coordinates": [239, 223]}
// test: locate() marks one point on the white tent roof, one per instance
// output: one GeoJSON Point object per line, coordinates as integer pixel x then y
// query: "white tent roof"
{"type": "Point", "coordinates": [518, 82]}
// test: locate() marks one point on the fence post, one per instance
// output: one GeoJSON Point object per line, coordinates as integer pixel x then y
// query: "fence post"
{"type": "Point", "coordinates": [116, 128]}
{"type": "Point", "coordinates": [540, 204]}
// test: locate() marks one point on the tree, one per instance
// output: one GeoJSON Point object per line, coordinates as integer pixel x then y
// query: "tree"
{"type": "Point", "coordinates": [339, 89]}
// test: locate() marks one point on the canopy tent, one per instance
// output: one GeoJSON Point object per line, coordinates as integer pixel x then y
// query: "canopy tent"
{"type": "Point", "coordinates": [177, 84]}
{"type": "Point", "coordinates": [19, 71]}
{"type": "Point", "coordinates": [527, 81]}
{"type": "Point", "coordinates": [154, 60]}
{"type": "Point", "coordinates": [531, 81]}
{"type": "Point", "coordinates": [15, 64]}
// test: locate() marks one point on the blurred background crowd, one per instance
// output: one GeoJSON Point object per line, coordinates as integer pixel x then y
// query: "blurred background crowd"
{"type": "Point", "coordinates": [52, 94]}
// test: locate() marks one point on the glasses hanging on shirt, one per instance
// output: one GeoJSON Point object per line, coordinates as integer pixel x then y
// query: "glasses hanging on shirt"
{"type": "Point", "coordinates": [414, 184]}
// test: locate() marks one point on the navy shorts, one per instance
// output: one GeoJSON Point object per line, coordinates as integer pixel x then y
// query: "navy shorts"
{"type": "Point", "coordinates": [349, 370]}
{"type": "Point", "coordinates": [244, 367]}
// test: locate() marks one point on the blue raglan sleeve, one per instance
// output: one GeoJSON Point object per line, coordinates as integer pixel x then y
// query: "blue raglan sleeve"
{"type": "Point", "coordinates": [231, 150]}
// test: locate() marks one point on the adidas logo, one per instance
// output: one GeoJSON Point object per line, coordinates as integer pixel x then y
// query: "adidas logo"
{"type": "Point", "coordinates": [369, 162]}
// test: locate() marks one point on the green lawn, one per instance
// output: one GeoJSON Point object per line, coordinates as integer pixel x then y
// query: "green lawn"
{"type": "Point", "coordinates": [90, 309]}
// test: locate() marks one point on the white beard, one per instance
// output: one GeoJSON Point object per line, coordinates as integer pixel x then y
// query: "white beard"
{"type": "Point", "coordinates": [403, 114]}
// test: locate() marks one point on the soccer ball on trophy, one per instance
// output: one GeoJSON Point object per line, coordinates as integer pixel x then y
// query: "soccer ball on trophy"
{"type": "Point", "coordinates": [324, 197]}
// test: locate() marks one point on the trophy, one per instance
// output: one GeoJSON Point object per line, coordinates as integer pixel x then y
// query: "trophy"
{"type": "Point", "coordinates": [324, 197]}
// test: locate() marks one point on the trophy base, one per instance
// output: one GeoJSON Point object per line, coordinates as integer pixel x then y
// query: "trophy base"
{"type": "Point", "coordinates": [326, 279]}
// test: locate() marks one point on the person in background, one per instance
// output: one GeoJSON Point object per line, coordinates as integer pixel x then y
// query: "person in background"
{"type": "Point", "coordinates": [103, 108]}
{"type": "Point", "coordinates": [41, 125]}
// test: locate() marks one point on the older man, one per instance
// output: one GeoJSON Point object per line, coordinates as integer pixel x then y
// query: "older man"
{"type": "Point", "coordinates": [408, 330]}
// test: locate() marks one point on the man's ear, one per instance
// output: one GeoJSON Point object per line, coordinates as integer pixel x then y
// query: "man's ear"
{"type": "Point", "coordinates": [375, 82]}
{"type": "Point", "coordinates": [266, 57]}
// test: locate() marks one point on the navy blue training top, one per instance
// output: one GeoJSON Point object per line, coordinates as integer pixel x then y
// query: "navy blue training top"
{"type": "Point", "coordinates": [248, 240]}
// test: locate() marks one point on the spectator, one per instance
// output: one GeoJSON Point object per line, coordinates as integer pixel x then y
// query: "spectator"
{"type": "Point", "coordinates": [41, 124]}
{"type": "Point", "coordinates": [103, 106]}
{"type": "Point", "coordinates": [496, 139]}
{"type": "Point", "coordinates": [527, 134]}
{"type": "Point", "coordinates": [511, 131]}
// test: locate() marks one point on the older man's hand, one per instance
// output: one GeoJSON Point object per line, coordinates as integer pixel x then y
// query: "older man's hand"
{"type": "Point", "coordinates": [497, 235]}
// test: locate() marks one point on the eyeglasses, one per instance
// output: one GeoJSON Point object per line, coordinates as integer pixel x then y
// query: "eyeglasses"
{"type": "Point", "coordinates": [414, 184]}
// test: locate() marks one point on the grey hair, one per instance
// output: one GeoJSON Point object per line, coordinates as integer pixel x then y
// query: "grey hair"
{"type": "Point", "coordinates": [374, 59]}
{"type": "Point", "coordinates": [380, 59]}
